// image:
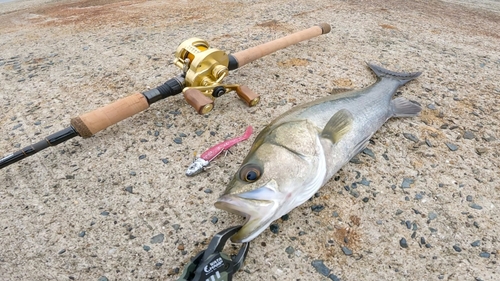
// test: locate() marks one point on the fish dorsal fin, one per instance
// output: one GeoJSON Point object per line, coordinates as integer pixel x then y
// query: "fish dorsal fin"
{"type": "Point", "coordinates": [402, 107]}
{"type": "Point", "coordinates": [339, 125]}
{"type": "Point", "coordinates": [339, 90]}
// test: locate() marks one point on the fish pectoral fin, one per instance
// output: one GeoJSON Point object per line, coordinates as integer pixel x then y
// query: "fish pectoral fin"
{"type": "Point", "coordinates": [402, 107]}
{"type": "Point", "coordinates": [339, 125]}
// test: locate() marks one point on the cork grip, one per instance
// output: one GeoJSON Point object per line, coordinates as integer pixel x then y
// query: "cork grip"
{"type": "Point", "coordinates": [251, 54]}
{"type": "Point", "coordinates": [92, 122]}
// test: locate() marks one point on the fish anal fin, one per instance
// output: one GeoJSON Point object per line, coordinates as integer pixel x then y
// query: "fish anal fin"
{"type": "Point", "coordinates": [360, 146]}
{"type": "Point", "coordinates": [339, 125]}
{"type": "Point", "coordinates": [402, 107]}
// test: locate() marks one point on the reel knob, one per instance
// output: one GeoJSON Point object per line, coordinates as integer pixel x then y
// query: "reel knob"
{"type": "Point", "coordinates": [247, 95]}
{"type": "Point", "coordinates": [201, 103]}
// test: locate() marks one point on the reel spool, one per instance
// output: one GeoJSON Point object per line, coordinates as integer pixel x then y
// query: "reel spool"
{"type": "Point", "coordinates": [204, 69]}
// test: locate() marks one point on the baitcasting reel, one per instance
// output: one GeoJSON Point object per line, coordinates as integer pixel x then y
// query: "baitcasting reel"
{"type": "Point", "coordinates": [204, 69]}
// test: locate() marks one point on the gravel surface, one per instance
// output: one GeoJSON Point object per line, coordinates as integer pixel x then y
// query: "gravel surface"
{"type": "Point", "coordinates": [421, 203]}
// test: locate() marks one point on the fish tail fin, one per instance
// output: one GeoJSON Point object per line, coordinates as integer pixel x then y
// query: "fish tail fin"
{"type": "Point", "coordinates": [402, 77]}
{"type": "Point", "coordinates": [402, 107]}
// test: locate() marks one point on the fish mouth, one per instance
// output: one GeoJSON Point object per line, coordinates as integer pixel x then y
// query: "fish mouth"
{"type": "Point", "coordinates": [258, 215]}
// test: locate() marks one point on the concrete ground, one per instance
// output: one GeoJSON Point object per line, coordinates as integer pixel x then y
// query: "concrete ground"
{"type": "Point", "coordinates": [118, 206]}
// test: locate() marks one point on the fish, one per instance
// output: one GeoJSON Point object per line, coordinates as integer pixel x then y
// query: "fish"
{"type": "Point", "coordinates": [201, 162]}
{"type": "Point", "coordinates": [301, 150]}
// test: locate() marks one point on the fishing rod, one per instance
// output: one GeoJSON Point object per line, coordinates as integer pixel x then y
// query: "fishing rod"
{"type": "Point", "coordinates": [203, 69]}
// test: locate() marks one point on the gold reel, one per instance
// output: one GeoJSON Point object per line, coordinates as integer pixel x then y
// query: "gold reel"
{"type": "Point", "coordinates": [204, 70]}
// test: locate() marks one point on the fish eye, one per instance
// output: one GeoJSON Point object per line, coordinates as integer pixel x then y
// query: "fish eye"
{"type": "Point", "coordinates": [250, 173]}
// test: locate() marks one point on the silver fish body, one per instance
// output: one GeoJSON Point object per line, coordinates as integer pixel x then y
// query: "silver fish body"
{"type": "Point", "coordinates": [302, 149]}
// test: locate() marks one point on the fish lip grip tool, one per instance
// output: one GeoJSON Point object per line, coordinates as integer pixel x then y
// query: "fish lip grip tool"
{"type": "Point", "coordinates": [203, 70]}
{"type": "Point", "coordinates": [212, 263]}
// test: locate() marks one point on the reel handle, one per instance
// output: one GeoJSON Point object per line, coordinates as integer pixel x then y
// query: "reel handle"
{"type": "Point", "coordinates": [254, 53]}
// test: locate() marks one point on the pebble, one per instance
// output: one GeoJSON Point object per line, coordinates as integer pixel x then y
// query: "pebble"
{"type": "Point", "coordinates": [335, 214]}
{"type": "Point", "coordinates": [129, 189]}
{"type": "Point", "coordinates": [369, 152]}
{"type": "Point", "coordinates": [320, 267]}
{"type": "Point", "coordinates": [366, 199]}
{"type": "Point", "coordinates": [431, 106]}
{"type": "Point", "coordinates": [346, 251]}
{"type": "Point", "coordinates": [476, 243]}
{"type": "Point", "coordinates": [406, 182]}
{"type": "Point", "coordinates": [104, 213]}
{"type": "Point", "coordinates": [355, 160]}
{"type": "Point", "coordinates": [285, 217]}
{"type": "Point", "coordinates": [208, 190]}
{"type": "Point", "coordinates": [399, 212]}
{"type": "Point", "coordinates": [164, 160]}
{"type": "Point", "coordinates": [178, 140]}
{"type": "Point", "coordinates": [481, 150]}
{"type": "Point", "coordinates": [432, 216]}
{"type": "Point", "coordinates": [484, 254]}
{"type": "Point", "coordinates": [365, 182]}
{"type": "Point", "coordinates": [418, 196]}
{"type": "Point", "coordinates": [182, 135]}
{"type": "Point", "coordinates": [422, 240]}
{"type": "Point", "coordinates": [475, 206]}
{"type": "Point", "coordinates": [132, 173]}
{"type": "Point", "coordinates": [408, 224]}
{"type": "Point", "coordinates": [274, 228]}
{"type": "Point", "coordinates": [199, 132]}
{"type": "Point", "coordinates": [457, 248]}
{"type": "Point", "coordinates": [142, 157]}
{"type": "Point", "coordinates": [428, 143]}
{"type": "Point", "coordinates": [17, 126]}
{"type": "Point", "coordinates": [214, 220]}
{"type": "Point", "coordinates": [411, 137]}
{"type": "Point", "coordinates": [289, 250]}
{"type": "Point", "coordinates": [317, 208]}
{"type": "Point", "coordinates": [354, 193]}
{"type": "Point", "coordinates": [103, 278]}
{"type": "Point", "coordinates": [62, 251]}
{"type": "Point", "coordinates": [157, 238]}
{"type": "Point", "coordinates": [82, 233]}
{"type": "Point", "coordinates": [403, 243]}
{"type": "Point", "coordinates": [176, 227]}
{"type": "Point", "coordinates": [468, 135]}
{"type": "Point", "coordinates": [146, 248]}
{"type": "Point", "coordinates": [451, 146]}
{"type": "Point", "coordinates": [333, 277]}
{"type": "Point", "coordinates": [175, 112]}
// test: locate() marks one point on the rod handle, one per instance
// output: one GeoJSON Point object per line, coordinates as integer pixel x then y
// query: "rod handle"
{"type": "Point", "coordinates": [97, 120]}
{"type": "Point", "coordinates": [251, 54]}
